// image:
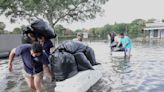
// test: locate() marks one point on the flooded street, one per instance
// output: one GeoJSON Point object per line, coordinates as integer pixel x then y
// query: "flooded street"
{"type": "Point", "coordinates": [144, 72]}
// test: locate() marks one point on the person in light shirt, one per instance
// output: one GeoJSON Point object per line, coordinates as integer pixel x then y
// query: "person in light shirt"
{"type": "Point", "coordinates": [126, 44]}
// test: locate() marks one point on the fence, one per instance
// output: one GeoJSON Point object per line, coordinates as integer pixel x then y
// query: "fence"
{"type": "Point", "coordinates": [9, 41]}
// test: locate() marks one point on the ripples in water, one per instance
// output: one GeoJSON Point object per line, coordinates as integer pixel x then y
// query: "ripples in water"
{"type": "Point", "coordinates": [142, 73]}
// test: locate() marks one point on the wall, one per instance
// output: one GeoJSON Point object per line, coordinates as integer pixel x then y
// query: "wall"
{"type": "Point", "coordinates": [9, 41]}
{"type": "Point", "coordinates": [162, 33]}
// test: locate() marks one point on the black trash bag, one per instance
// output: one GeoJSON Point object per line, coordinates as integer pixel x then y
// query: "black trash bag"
{"type": "Point", "coordinates": [41, 27]}
{"type": "Point", "coordinates": [27, 30]}
{"type": "Point", "coordinates": [26, 39]}
{"type": "Point", "coordinates": [63, 65]}
{"type": "Point", "coordinates": [72, 46]}
{"type": "Point", "coordinates": [82, 62]}
{"type": "Point", "coordinates": [114, 44]}
{"type": "Point", "coordinates": [89, 53]}
{"type": "Point", "coordinates": [118, 49]}
{"type": "Point", "coordinates": [115, 48]}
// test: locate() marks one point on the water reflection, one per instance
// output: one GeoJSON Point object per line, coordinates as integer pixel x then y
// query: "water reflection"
{"type": "Point", "coordinates": [121, 65]}
{"type": "Point", "coordinates": [14, 82]}
{"type": "Point", "coordinates": [142, 73]}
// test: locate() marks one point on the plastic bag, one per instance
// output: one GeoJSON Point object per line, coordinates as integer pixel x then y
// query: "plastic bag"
{"type": "Point", "coordinates": [26, 39]}
{"type": "Point", "coordinates": [89, 53]}
{"type": "Point", "coordinates": [63, 65]}
{"type": "Point", "coordinates": [41, 27]}
{"type": "Point", "coordinates": [73, 46]}
{"type": "Point", "coordinates": [82, 62]}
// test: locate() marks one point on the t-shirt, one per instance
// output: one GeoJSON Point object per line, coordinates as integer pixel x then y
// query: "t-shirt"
{"type": "Point", "coordinates": [125, 40]}
{"type": "Point", "coordinates": [47, 45]}
{"type": "Point", "coordinates": [32, 65]}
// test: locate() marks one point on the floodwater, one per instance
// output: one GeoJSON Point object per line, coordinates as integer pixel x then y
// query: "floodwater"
{"type": "Point", "coordinates": [144, 72]}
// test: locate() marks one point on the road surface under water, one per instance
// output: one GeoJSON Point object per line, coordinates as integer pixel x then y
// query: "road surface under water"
{"type": "Point", "coordinates": [142, 73]}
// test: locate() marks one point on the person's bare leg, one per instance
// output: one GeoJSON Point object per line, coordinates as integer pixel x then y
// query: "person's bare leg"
{"type": "Point", "coordinates": [30, 82]}
{"type": "Point", "coordinates": [38, 79]}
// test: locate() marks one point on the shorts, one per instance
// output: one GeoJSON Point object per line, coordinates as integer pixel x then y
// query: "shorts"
{"type": "Point", "coordinates": [25, 74]}
{"type": "Point", "coordinates": [127, 51]}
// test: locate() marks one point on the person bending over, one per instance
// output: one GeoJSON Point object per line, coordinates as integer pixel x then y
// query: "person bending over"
{"type": "Point", "coordinates": [35, 61]}
{"type": "Point", "coordinates": [126, 44]}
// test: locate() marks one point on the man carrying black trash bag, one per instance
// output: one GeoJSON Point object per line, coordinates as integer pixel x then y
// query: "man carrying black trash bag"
{"type": "Point", "coordinates": [35, 61]}
{"type": "Point", "coordinates": [39, 31]}
{"type": "Point", "coordinates": [46, 43]}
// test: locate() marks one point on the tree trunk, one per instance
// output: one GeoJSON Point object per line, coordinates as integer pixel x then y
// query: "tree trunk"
{"type": "Point", "coordinates": [50, 20]}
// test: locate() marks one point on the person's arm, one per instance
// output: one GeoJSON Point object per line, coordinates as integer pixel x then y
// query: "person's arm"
{"type": "Point", "coordinates": [11, 58]}
{"type": "Point", "coordinates": [51, 46]}
{"type": "Point", "coordinates": [48, 71]}
{"type": "Point", "coordinates": [119, 42]}
{"type": "Point", "coordinates": [16, 52]}
{"type": "Point", "coordinates": [126, 44]}
{"type": "Point", "coordinates": [48, 47]}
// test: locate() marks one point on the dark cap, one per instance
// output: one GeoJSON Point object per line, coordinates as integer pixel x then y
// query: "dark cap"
{"type": "Point", "coordinates": [36, 47]}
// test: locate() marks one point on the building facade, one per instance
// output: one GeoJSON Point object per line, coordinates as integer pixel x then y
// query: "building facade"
{"type": "Point", "coordinates": [154, 30]}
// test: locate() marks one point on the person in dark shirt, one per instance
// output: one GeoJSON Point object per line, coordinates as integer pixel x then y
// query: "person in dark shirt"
{"type": "Point", "coordinates": [34, 61]}
{"type": "Point", "coordinates": [46, 43]}
{"type": "Point", "coordinates": [112, 36]}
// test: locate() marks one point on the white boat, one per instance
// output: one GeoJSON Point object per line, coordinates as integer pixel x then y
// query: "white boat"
{"type": "Point", "coordinates": [80, 82]}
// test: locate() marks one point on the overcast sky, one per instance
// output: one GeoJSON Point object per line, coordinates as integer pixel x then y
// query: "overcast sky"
{"type": "Point", "coordinates": [120, 11]}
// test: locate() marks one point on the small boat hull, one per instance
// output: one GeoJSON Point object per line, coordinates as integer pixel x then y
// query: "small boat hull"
{"type": "Point", "coordinates": [80, 82]}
